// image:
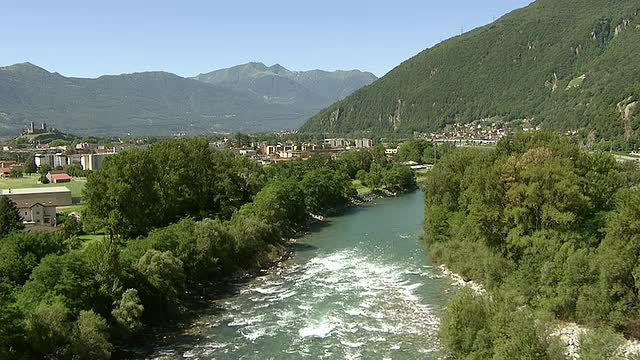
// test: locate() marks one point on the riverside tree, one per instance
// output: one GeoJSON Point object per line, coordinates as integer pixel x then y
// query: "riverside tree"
{"type": "Point", "coordinates": [9, 217]}
{"type": "Point", "coordinates": [544, 226]}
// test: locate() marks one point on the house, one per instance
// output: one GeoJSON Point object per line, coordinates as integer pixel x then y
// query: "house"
{"type": "Point", "coordinates": [8, 164]}
{"type": "Point", "coordinates": [37, 206]}
{"type": "Point", "coordinates": [5, 172]}
{"type": "Point", "coordinates": [58, 176]}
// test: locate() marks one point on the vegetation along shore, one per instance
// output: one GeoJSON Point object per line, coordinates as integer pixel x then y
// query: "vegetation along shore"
{"type": "Point", "coordinates": [179, 218]}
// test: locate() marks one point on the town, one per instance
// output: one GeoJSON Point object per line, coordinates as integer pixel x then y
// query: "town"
{"type": "Point", "coordinates": [43, 171]}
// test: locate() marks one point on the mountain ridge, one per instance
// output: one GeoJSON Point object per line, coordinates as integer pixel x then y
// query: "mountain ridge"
{"type": "Point", "coordinates": [520, 66]}
{"type": "Point", "coordinates": [145, 103]}
{"type": "Point", "coordinates": [315, 86]}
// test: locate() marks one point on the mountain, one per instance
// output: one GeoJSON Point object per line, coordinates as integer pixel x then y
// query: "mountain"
{"type": "Point", "coordinates": [149, 103]}
{"type": "Point", "coordinates": [566, 64]}
{"type": "Point", "coordinates": [313, 89]}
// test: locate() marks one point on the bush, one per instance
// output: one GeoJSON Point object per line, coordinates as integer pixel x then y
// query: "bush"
{"type": "Point", "coordinates": [600, 343]}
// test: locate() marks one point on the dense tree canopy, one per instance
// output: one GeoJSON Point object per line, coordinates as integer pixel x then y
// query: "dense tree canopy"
{"type": "Point", "coordinates": [544, 225]}
{"type": "Point", "coordinates": [182, 218]}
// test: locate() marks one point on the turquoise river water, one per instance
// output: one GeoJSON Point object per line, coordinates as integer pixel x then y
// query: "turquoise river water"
{"type": "Point", "coordinates": [361, 287]}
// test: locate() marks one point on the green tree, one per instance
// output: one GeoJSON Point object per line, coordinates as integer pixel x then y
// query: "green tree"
{"type": "Point", "coordinates": [412, 150]}
{"type": "Point", "coordinates": [601, 343]}
{"type": "Point", "coordinates": [10, 219]}
{"type": "Point", "coordinates": [11, 329]}
{"type": "Point", "coordinates": [252, 235]}
{"type": "Point", "coordinates": [128, 312]}
{"type": "Point", "coordinates": [281, 203]}
{"type": "Point", "coordinates": [90, 337]}
{"type": "Point", "coordinates": [20, 253]}
{"type": "Point", "coordinates": [399, 178]}
{"type": "Point", "coordinates": [44, 169]}
{"type": "Point", "coordinates": [463, 328]}
{"type": "Point", "coordinates": [71, 227]}
{"type": "Point", "coordinates": [122, 195]}
{"type": "Point", "coordinates": [215, 246]}
{"type": "Point", "coordinates": [326, 190]}
{"type": "Point", "coordinates": [30, 165]}
{"type": "Point", "coordinates": [164, 272]}
{"type": "Point", "coordinates": [66, 278]}
{"type": "Point", "coordinates": [103, 256]}
{"type": "Point", "coordinates": [16, 172]}
{"type": "Point", "coordinates": [47, 330]}
{"type": "Point", "coordinates": [375, 178]}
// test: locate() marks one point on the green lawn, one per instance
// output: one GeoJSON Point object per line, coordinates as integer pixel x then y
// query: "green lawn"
{"type": "Point", "coordinates": [70, 209]}
{"type": "Point", "coordinates": [28, 181]}
{"type": "Point", "coordinates": [421, 174]}
{"type": "Point", "coordinates": [357, 184]}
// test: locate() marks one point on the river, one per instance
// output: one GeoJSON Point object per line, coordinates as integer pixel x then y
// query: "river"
{"type": "Point", "coordinates": [361, 287]}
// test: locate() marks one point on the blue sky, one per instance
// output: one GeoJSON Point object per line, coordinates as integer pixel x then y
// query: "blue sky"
{"type": "Point", "coordinates": [89, 38]}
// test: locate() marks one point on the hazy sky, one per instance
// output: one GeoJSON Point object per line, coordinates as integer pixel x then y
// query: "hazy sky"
{"type": "Point", "coordinates": [89, 38]}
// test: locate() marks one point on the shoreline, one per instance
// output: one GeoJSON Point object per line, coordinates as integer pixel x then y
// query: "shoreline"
{"type": "Point", "coordinates": [150, 338]}
{"type": "Point", "coordinates": [568, 332]}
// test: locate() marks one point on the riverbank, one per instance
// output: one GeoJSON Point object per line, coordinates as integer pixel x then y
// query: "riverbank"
{"type": "Point", "coordinates": [189, 326]}
{"type": "Point", "coordinates": [359, 286]}
{"type": "Point", "coordinates": [569, 333]}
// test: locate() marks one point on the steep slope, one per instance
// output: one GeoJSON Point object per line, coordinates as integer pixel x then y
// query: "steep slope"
{"type": "Point", "coordinates": [311, 90]}
{"type": "Point", "coordinates": [565, 63]}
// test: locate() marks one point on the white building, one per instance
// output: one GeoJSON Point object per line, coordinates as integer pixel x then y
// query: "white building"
{"type": "Point", "coordinates": [37, 206]}
{"type": "Point", "coordinates": [336, 143]}
{"type": "Point", "coordinates": [363, 143]}
{"type": "Point", "coordinates": [93, 161]}
{"type": "Point", "coordinates": [60, 159]}
{"type": "Point", "coordinates": [44, 159]}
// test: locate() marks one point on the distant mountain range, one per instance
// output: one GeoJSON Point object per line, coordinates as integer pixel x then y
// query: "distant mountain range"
{"type": "Point", "coordinates": [250, 97]}
{"type": "Point", "coordinates": [565, 64]}
{"type": "Point", "coordinates": [277, 85]}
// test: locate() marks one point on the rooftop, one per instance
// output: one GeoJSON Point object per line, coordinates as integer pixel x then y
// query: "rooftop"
{"type": "Point", "coordinates": [42, 190]}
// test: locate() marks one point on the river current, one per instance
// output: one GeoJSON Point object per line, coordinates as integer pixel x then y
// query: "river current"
{"type": "Point", "coordinates": [359, 287]}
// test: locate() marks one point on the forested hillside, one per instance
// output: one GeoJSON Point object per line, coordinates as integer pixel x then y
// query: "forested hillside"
{"type": "Point", "coordinates": [568, 64]}
{"type": "Point", "coordinates": [550, 231]}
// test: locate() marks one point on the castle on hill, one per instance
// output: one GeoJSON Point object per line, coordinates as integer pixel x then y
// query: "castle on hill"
{"type": "Point", "coordinates": [32, 130]}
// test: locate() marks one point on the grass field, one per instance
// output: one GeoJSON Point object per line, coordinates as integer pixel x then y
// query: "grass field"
{"type": "Point", "coordinates": [28, 181]}
{"type": "Point", "coordinates": [421, 174]}
{"type": "Point", "coordinates": [360, 188]}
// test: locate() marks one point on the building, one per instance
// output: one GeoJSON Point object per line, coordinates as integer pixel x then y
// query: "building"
{"type": "Point", "coordinates": [363, 143]}
{"type": "Point", "coordinates": [217, 145]}
{"type": "Point", "coordinates": [59, 176]}
{"type": "Point", "coordinates": [32, 130]}
{"type": "Point", "coordinates": [335, 143]}
{"type": "Point", "coordinates": [37, 206]}
{"type": "Point", "coordinates": [247, 152]}
{"type": "Point", "coordinates": [93, 161]}
{"type": "Point", "coordinates": [8, 164]}
{"type": "Point", "coordinates": [43, 159]}
{"type": "Point", "coordinates": [61, 160]}
{"type": "Point", "coordinates": [5, 172]}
